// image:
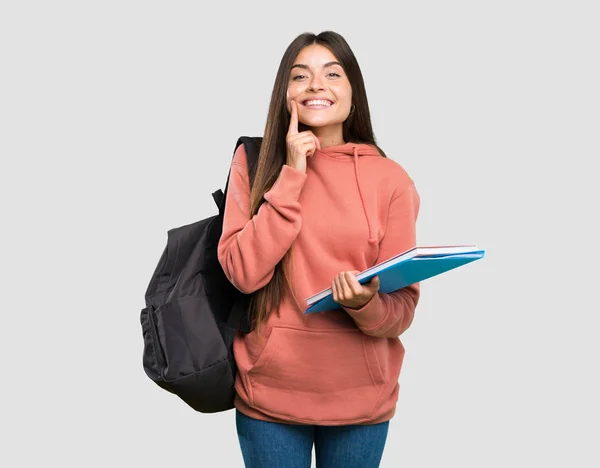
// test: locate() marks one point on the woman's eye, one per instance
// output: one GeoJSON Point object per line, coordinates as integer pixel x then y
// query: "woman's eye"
{"type": "Point", "coordinates": [334, 74]}
{"type": "Point", "coordinates": [298, 77]}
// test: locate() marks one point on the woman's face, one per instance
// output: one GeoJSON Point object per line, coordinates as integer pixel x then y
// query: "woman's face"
{"type": "Point", "coordinates": [320, 87]}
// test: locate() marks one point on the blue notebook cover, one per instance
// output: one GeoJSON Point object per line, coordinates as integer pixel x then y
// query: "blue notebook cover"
{"type": "Point", "coordinates": [405, 273]}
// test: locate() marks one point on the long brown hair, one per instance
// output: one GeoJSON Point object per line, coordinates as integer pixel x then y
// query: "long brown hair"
{"type": "Point", "coordinates": [357, 129]}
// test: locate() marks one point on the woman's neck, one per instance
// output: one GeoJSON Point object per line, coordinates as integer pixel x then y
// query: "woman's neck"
{"type": "Point", "coordinates": [330, 136]}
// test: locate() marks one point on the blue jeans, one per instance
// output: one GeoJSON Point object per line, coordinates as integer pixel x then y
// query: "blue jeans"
{"type": "Point", "coordinates": [273, 445]}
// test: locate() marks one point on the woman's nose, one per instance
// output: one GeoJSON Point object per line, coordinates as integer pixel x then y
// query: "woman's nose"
{"type": "Point", "coordinates": [316, 84]}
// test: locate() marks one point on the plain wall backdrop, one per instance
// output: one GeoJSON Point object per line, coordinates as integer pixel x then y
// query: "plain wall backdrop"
{"type": "Point", "coordinates": [119, 119]}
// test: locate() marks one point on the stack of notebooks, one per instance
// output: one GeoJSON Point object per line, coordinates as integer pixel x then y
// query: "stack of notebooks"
{"type": "Point", "coordinates": [404, 269]}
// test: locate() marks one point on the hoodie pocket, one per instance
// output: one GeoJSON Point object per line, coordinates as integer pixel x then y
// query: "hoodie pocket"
{"type": "Point", "coordinates": [317, 375]}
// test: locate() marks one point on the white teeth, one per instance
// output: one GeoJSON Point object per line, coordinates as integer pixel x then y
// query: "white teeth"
{"type": "Point", "coordinates": [317, 102]}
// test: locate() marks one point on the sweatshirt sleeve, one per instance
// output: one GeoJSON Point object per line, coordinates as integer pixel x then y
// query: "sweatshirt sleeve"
{"type": "Point", "coordinates": [389, 315]}
{"type": "Point", "coordinates": [250, 247]}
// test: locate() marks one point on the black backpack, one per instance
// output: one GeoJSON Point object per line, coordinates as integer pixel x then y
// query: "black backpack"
{"type": "Point", "coordinates": [193, 312]}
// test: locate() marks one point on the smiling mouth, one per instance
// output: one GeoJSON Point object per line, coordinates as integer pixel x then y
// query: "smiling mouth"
{"type": "Point", "coordinates": [317, 103]}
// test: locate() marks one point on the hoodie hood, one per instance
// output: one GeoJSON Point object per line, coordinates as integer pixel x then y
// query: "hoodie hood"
{"type": "Point", "coordinates": [355, 150]}
{"type": "Point", "coordinates": [348, 149]}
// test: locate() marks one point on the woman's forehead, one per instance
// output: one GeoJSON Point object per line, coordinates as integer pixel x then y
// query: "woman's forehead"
{"type": "Point", "coordinates": [316, 55]}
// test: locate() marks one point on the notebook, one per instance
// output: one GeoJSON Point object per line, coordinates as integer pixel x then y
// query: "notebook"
{"type": "Point", "coordinates": [404, 269]}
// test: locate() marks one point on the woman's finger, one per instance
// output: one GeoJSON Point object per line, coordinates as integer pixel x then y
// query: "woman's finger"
{"type": "Point", "coordinates": [353, 283]}
{"type": "Point", "coordinates": [336, 297]}
{"type": "Point", "coordinates": [340, 290]}
{"type": "Point", "coordinates": [308, 148]}
{"type": "Point", "coordinates": [301, 138]}
{"type": "Point", "coordinates": [293, 129]}
{"type": "Point", "coordinates": [348, 293]}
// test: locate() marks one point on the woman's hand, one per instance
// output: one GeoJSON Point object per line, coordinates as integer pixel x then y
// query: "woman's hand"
{"type": "Point", "coordinates": [348, 292]}
{"type": "Point", "coordinates": [299, 145]}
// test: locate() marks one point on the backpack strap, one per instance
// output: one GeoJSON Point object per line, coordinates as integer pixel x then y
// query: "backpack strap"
{"type": "Point", "coordinates": [252, 146]}
{"type": "Point", "coordinates": [239, 318]}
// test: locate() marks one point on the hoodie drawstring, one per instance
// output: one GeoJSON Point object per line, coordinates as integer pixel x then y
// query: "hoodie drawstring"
{"type": "Point", "coordinates": [372, 239]}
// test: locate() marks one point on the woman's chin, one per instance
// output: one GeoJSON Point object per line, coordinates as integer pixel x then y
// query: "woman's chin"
{"type": "Point", "coordinates": [317, 123]}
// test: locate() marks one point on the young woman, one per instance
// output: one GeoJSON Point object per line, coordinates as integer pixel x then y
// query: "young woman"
{"type": "Point", "coordinates": [326, 204]}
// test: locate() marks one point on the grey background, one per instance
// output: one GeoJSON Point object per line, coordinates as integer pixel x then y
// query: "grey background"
{"type": "Point", "coordinates": [118, 119]}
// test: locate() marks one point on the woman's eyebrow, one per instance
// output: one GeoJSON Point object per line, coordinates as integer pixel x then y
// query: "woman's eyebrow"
{"type": "Point", "coordinates": [328, 64]}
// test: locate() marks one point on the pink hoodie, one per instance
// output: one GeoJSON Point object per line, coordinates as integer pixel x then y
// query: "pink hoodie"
{"type": "Point", "coordinates": [352, 209]}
